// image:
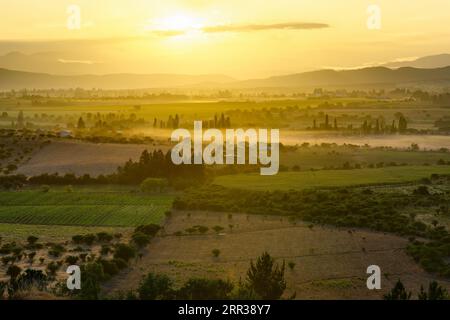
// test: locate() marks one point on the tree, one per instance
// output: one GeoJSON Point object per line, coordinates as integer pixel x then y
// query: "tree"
{"type": "Point", "coordinates": [435, 292]}
{"type": "Point", "coordinates": [266, 278]}
{"type": "Point", "coordinates": [398, 293]}
{"type": "Point", "coordinates": [20, 120]}
{"type": "Point", "coordinates": [81, 124]}
{"type": "Point", "coordinates": [402, 124]}
{"type": "Point", "coordinates": [155, 287]}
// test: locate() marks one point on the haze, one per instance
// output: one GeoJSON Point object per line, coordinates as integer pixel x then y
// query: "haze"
{"type": "Point", "coordinates": [240, 39]}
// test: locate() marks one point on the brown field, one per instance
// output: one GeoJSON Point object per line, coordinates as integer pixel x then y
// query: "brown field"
{"type": "Point", "coordinates": [81, 158]}
{"type": "Point", "coordinates": [330, 263]}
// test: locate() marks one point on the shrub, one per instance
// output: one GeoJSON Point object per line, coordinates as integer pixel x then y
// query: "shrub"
{"type": "Point", "coordinates": [71, 260]}
{"type": "Point", "coordinates": [291, 265]}
{"type": "Point", "coordinates": [154, 185]}
{"type": "Point", "coordinates": [32, 240]}
{"type": "Point", "coordinates": [13, 271]}
{"type": "Point", "coordinates": [109, 267]}
{"type": "Point", "coordinates": [56, 250]}
{"type": "Point", "coordinates": [77, 239]}
{"type": "Point", "coordinates": [216, 253]}
{"type": "Point", "coordinates": [104, 237]}
{"type": "Point", "coordinates": [120, 263]}
{"type": "Point", "coordinates": [218, 229]}
{"type": "Point", "coordinates": [124, 252]}
{"type": "Point", "coordinates": [140, 239]}
{"type": "Point", "coordinates": [205, 289]}
{"type": "Point", "coordinates": [155, 287]}
{"type": "Point", "coordinates": [52, 267]}
{"type": "Point", "coordinates": [149, 229]}
{"type": "Point", "coordinates": [89, 239]}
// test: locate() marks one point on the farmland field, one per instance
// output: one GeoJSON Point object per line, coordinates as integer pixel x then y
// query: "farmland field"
{"type": "Point", "coordinates": [330, 178]}
{"type": "Point", "coordinates": [115, 209]}
{"type": "Point", "coordinates": [330, 263]}
{"type": "Point", "coordinates": [81, 158]}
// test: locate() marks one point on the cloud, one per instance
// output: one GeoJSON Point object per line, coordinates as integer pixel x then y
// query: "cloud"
{"type": "Point", "coordinates": [263, 27]}
{"type": "Point", "coordinates": [243, 28]}
{"type": "Point", "coordinates": [76, 61]}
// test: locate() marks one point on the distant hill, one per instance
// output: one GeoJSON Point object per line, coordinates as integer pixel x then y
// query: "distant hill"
{"type": "Point", "coordinates": [429, 62]}
{"type": "Point", "coordinates": [11, 79]}
{"type": "Point", "coordinates": [367, 77]}
{"type": "Point", "coordinates": [360, 78]}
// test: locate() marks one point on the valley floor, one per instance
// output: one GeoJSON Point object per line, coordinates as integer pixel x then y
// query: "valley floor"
{"type": "Point", "coordinates": [330, 263]}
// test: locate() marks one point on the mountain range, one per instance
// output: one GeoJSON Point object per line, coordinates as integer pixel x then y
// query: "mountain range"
{"type": "Point", "coordinates": [429, 71]}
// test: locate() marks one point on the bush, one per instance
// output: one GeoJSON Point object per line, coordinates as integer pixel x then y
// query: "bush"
{"type": "Point", "coordinates": [154, 185]}
{"type": "Point", "coordinates": [140, 239]}
{"type": "Point", "coordinates": [155, 287]}
{"type": "Point", "coordinates": [205, 289]}
{"type": "Point", "coordinates": [93, 274]}
{"type": "Point", "coordinates": [77, 239]}
{"type": "Point", "coordinates": [52, 267]}
{"type": "Point", "coordinates": [124, 252]}
{"type": "Point", "coordinates": [104, 237]}
{"type": "Point", "coordinates": [120, 263]}
{"type": "Point", "coordinates": [56, 250]}
{"type": "Point", "coordinates": [291, 265]}
{"type": "Point", "coordinates": [89, 239]}
{"type": "Point", "coordinates": [218, 229]}
{"type": "Point", "coordinates": [216, 253]}
{"type": "Point", "coordinates": [71, 260]}
{"type": "Point", "coordinates": [13, 271]}
{"type": "Point", "coordinates": [110, 268]}
{"type": "Point", "coordinates": [32, 240]}
{"type": "Point", "coordinates": [149, 229]}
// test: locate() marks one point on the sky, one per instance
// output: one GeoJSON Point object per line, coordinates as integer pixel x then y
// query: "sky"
{"type": "Point", "coordinates": [239, 38]}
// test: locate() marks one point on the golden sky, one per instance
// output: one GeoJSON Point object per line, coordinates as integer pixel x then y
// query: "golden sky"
{"type": "Point", "coordinates": [240, 38]}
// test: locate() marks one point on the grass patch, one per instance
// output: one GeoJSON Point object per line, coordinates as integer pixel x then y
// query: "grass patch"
{"type": "Point", "coordinates": [329, 178]}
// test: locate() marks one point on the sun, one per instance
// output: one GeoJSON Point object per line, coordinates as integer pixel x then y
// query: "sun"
{"type": "Point", "coordinates": [181, 23]}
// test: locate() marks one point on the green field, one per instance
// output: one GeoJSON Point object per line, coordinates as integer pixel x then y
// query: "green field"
{"type": "Point", "coordinates": [318, 157]}
{"type": "Point", "coordinates": [329, 178]}
{"type": "Point", "coordinates": [82, 208]}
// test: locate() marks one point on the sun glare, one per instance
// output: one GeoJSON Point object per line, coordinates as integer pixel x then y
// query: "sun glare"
{"type": "Point", "coordinates": [178, 24]}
